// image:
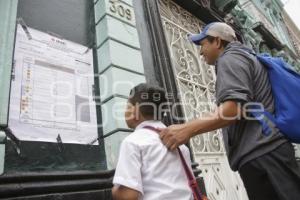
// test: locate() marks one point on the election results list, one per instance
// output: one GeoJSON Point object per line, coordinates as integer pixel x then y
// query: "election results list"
{"type": "Point", "coordinates": [52, 89]}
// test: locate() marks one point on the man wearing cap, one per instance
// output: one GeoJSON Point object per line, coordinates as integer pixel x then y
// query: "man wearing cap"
{"type": "Point", "coordinates": [267, 164]}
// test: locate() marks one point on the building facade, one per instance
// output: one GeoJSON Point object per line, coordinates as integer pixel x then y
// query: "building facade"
{"type": "Point", "coordinates": [133, 41]}
{"type": "Point", "coordinates": [293, 32]}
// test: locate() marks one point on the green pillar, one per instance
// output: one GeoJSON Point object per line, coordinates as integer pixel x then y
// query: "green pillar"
{"type": "Point", "coordinates": [120, 67]}
{"type": "Point", "coordinates": [8, 13]}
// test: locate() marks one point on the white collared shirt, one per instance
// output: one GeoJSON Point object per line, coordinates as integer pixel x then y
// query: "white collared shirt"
{"type": "Point", "coordinates": [147, 166]}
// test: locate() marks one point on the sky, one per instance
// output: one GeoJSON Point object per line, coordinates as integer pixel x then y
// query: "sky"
{"type": "Point", "coordinates": [292, 7]}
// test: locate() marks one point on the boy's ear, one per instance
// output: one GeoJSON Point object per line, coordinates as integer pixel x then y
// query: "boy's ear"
{"type": "Point", "coordinates": [136, 112]}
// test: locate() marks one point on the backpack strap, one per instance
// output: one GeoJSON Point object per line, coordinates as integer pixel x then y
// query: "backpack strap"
{"type": "Point", "coordinates": [191, 179]}
{"type": "Point", "coordinates": [262, 117]}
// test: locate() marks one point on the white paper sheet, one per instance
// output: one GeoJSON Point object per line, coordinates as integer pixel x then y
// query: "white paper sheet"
{"type": "Point", "coordinates": [52, 90]}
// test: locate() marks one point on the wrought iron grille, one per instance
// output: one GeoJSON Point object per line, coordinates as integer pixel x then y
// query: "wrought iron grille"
{"type": "Point", "coordinates": [195, 79]}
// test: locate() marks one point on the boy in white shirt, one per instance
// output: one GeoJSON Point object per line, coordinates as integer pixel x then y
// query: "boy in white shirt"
{"type": "Point", "coordinates": [146, 169]}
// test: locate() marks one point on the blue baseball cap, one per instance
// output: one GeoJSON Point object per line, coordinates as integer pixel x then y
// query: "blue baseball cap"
{"type": "Point", "coordinates": [215, 29]}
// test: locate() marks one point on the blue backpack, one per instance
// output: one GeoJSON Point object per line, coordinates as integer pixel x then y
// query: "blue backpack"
{"type": "Point", "coordinates": [285, 83]}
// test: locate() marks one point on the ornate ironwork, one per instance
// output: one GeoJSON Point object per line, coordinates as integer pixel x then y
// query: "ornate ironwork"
{"type": "Point", "coordinates": [195, 79]}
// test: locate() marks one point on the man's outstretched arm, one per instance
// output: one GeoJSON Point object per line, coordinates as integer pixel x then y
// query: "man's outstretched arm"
{"type": "Point", "coordinates": [175, 135]}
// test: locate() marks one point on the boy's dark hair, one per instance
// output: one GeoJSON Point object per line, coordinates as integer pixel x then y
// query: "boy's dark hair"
{"type": "Point", "coordinates": [150, 99]}
{"type": "Point", "coordinates": [212, 38]}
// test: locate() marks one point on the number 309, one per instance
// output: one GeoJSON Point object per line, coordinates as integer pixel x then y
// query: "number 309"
{"type": "Point", "coordinates": [120, 10]}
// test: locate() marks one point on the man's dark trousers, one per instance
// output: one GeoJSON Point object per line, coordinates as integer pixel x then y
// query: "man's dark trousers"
{"type": "Point", "coordinates": [273, 176]}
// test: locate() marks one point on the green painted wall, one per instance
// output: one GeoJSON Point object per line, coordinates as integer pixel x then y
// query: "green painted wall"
{"type": "Point", "coordinates": [8, 13]}
{"type": "Point", "coordinates": [120, 67]}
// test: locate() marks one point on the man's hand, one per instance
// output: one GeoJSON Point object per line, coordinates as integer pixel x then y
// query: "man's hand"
{"type": "Point", "coordinates": [174, 135]}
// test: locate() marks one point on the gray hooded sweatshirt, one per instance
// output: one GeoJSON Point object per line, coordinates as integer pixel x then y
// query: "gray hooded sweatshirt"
{"type": "Point", "coordinates": [241, 78]}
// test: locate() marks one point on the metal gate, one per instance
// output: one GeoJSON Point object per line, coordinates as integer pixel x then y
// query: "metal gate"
{"type": "Point", "coordinates": [196, 85]}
